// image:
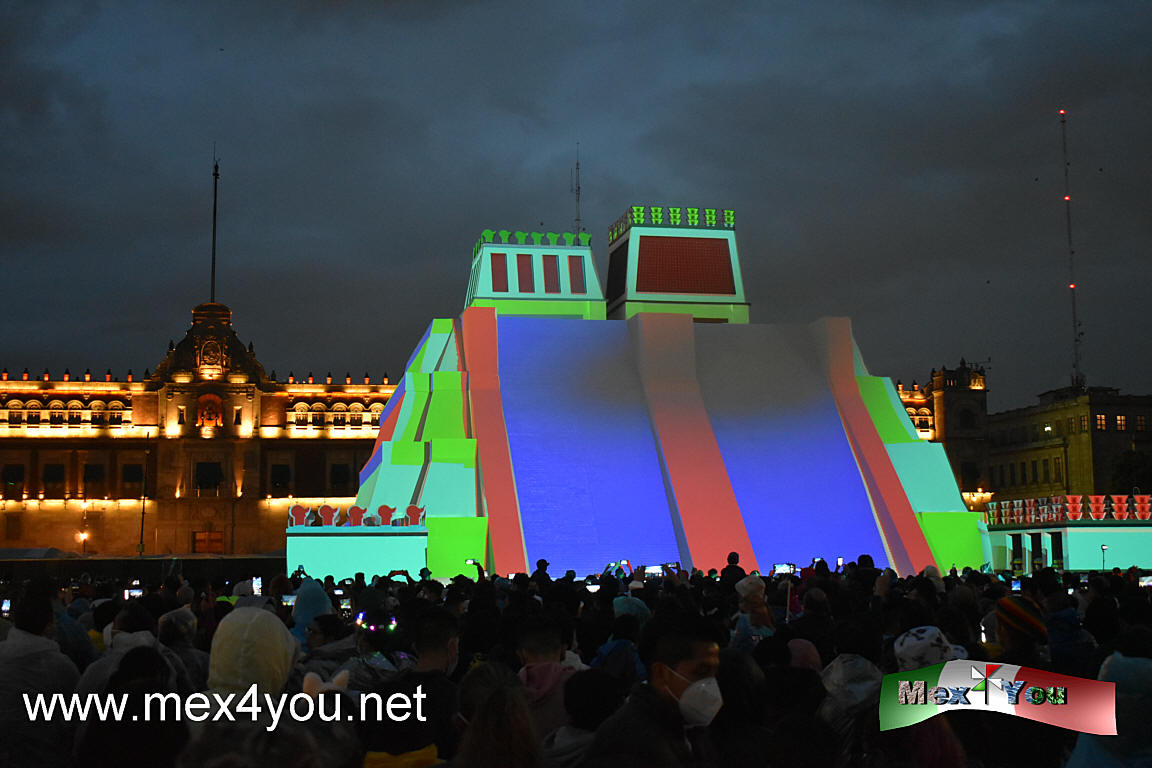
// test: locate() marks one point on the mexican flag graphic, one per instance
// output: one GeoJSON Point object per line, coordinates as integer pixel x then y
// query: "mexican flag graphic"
{"type": "Point", "coordinates": [1069, 702]}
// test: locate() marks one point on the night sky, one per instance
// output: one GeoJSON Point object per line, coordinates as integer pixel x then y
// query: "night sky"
{"type": "Point", "coordinates": [895, 162]}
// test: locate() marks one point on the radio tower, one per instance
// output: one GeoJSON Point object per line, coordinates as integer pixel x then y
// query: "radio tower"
{"type": "Point", "coordinates": [1077, 374]}
{"type": "Point", "coordinates": [215, 181]}
{"type": "Point", "coordinates": [574, 188]}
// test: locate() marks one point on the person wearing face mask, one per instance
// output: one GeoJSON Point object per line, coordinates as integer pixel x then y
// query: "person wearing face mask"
{"type": "Point", "coordinates": [435, 638]}
{"type": "Point", "coordinates": [663, 722]}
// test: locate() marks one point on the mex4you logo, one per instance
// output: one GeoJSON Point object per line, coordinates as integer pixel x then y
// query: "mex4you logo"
{"type": "Point", "coordinates": [1083, 705]}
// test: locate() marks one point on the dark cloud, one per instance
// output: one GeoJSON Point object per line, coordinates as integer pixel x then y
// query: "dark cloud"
{"type": "Point", "coordinates": [897, 163]}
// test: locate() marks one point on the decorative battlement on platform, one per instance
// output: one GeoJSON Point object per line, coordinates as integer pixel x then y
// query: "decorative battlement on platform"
{"type": "Point", "coordinates": [672, 216]}
{"type": "Point", "coordinates": [505, 236]}
{"type": "Point", "coordinates": [535, 273]}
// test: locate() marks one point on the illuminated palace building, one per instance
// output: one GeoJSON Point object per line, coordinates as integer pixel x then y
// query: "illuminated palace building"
{"type": "Point", "coordinates": [1066, 472]}
{"type": "Point", "coordinates": [206, 454]}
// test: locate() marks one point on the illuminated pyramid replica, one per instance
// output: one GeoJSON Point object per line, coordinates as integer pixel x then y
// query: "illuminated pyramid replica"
{"type": "Point", "coordinates": [655, 424]}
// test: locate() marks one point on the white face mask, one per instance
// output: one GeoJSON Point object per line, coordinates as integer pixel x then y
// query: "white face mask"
{"type": "Point", "coordinates": [700, 701]}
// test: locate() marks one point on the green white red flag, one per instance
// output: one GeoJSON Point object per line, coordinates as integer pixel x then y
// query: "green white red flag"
{"type": "Point", "coordinates": [1069, 702]}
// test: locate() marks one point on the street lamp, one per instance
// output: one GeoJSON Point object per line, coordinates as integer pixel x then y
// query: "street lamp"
{"type": "Point", "coordinates": [83, 542]}
{"type": "Point", "coordinates": [1103, 549]}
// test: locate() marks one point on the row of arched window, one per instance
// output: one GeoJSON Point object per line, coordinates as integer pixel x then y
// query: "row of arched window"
{"type": "Point", "coordinates": [59, 413]}
{"type": "Point", "coordinates": [922, 418]}
{"type": "Point", "coordinates": [339, 415]}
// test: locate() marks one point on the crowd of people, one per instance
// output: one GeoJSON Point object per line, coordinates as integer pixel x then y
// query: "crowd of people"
{"type": "Point", "coordinates": [627, 668]}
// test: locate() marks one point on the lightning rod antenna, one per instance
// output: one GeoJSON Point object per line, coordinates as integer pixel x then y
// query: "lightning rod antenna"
{"type": "Point", "coordinates": [574, 187]}
{"type": "Point", "coordinates": [1077, 374]}
{"type": "Point", "coordinates": [215, 181]}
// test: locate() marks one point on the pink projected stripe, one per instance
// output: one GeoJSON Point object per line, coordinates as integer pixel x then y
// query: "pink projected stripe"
{"type": "Point", "coordinates": [487, 407]}
{"type": "Point", "coordinates": [898, 523]}
{"type": "Point", "coordinates": [709, 515]}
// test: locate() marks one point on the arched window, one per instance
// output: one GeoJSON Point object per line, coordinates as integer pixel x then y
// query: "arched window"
{"type": "Point", "coordinates": [339, 415]}
{"type": "Point", "coordinates": [75, 413]}
{"type": "Point", "coordinates": [924, 419]}
{"type": "Point", "coordinates": [33, 411]}
{"type": "Point", "coordinates": [356, 415]}
{"type": "Point", "coordinates": [300, 414]}
{"type": "Point", "coordinates": [376, 409]}
{"type": "Point", "coordinates": [55, 413]}
{"type": "Point", "coordinates": [115, 413]}
{"type": "Point", "coordinates": [97, 413]}
{"type": "Point", "coordinates": [15, 412]}
{"type": "Point", "coordinates": [318, 414]}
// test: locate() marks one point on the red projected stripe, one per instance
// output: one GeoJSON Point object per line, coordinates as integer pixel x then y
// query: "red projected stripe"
{"type": "Point", "coordinates": [709, 515]}
{"type": "Point", "coordinates": [684, 265]}
{"type": "Point", "coordinates": [487, 408]}
{"type": "Point", "coordinates": [898, 524]}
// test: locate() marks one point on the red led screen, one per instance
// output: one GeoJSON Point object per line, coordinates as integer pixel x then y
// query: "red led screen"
{"type": "Point", "coordinates": [685, 265]}
{"type": "Point", "coordinates": [499, 273]}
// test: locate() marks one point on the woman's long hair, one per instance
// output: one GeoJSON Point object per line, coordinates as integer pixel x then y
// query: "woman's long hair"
{"type": "Point", "coordinates": [499, 732]}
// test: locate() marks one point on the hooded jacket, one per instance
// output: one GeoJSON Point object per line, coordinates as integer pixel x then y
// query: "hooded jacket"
{"type": "Point", "coordinates": [853, 686]}
{"type": "Point", "coordinates": [96, 676]}
{"type": "Point", "coordinates": [178, 633]}
{"type": "Point", "coordinates": [251, 645]}
{"type": "Point", "coordinates": [33, 664]}
{"type": "Point", "coordinates": [311, 601]}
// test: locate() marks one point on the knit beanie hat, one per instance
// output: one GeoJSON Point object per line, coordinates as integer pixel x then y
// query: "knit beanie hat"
{"type": "Point", "coordinates": [1022, 615]}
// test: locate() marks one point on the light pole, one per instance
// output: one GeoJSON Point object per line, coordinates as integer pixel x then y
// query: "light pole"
{"type": "Point", "coordinates": [143, 503]}
{"type": "Point", "coordinates": [1103, 549]}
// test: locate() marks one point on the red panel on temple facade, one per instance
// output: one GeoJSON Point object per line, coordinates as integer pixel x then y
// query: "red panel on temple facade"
{"type": "Point", "coordinates": [685, 265]}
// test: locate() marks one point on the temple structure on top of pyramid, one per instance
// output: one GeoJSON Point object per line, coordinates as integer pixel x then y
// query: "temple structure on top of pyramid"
{"type": "Point", "coordinates": [650, 421]}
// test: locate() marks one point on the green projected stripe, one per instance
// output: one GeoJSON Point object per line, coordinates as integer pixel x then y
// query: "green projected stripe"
{"type": "Point", "coordinates": [445, 414]}
{"type": "Point", "coordinates": [452, 540]}
{"type": "Point", "coordinates": [953, 533]}
{"type": "Point", "coordinates": [419, 400]}
{"type": "Point", "coordinates": [954, 538]}
{"type": "Point", "coordinates": [408, 452]}
{"type": "Point", "coordinates": [587, 310]}
{"type": "Point", "coordinates": [887, 414]}
{"type": "Point", "coordinates": [454, 451]}
{"type": "Point", "coordinates": [418, 359]}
